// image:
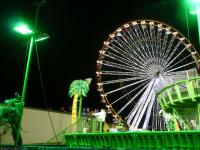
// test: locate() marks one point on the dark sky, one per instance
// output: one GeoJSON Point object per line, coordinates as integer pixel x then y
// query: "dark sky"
{"type": "Point", "coordinates": [77, 31]}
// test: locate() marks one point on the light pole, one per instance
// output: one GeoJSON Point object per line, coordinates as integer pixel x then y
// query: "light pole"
{"type": "Point", "coordinates": [195, 9]}
{"type": "Point", "coordinates": [195, 6]}
{"type": "Point", "coordinates": [35, 37]}
{"type": "Point", "coordinates": [25, 30]}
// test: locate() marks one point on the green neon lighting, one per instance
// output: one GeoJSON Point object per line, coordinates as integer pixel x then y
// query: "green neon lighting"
{"type": "Point", "coordinates": [198, 20]}
{"type": "Point", "coordinates": [28, 63]}
{"type": "Point", "coordinates": [23, 29]}
{"type": "Point", "coordinates": [134, 140]}
{"type": "Point", "coordinates": [194, 6]}
{"type": "Point", "coordinates": [195, 12]}
{"type": "Point", "coordinates": [196, 1]}
{"type": "Point", "coordinates": [41, 37]}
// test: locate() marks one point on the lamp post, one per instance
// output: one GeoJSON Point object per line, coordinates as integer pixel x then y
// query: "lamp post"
{"type": "Point", "coordinates": [195, 9]}
{"type": "Point", "coordinates": [25, 30]}
{"type": "Point", "coordinates": [35, 37]}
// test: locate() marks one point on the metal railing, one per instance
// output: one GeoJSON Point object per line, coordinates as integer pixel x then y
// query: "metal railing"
{"type": "Point", "coordinates": [181, 92]}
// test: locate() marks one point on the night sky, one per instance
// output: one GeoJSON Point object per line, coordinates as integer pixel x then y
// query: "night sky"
{"type": "Point", "coordinates": [77, 31]}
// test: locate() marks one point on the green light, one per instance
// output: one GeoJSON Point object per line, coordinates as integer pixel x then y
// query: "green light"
{"type": "Point", "coordinates": [193, 4]}
{"type": "Point", "coordinates": [23, 29]}
{"type": "Point", "coordinates": [195, 12]}
{"type": "Point", "coordinates": [196, 1]}
{"type": "Point", "coordinates": [41, 37]}
{"type": "Point", "coordinates": [194, 7]}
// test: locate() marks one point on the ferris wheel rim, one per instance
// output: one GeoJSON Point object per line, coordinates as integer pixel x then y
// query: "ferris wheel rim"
{"type": "Point", "coordinates": [144, 21]}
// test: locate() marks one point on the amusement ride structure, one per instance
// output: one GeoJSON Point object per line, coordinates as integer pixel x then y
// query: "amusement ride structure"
{"type": "Point", "coordinates": [147, 76]}
{"type": "Point", "coordinates": [136, 62]}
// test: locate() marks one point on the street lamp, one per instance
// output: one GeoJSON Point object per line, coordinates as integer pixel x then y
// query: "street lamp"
{"type": "Point", "coordinates": [35, 36]}
{"type": "Point", "coordinates": [195, 9]}
{"type": "Point", "coordinates": [23, 29]}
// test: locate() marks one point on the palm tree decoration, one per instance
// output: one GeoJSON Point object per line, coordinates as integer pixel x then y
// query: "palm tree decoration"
{"type": "Point", "coordinates": [77, 90]}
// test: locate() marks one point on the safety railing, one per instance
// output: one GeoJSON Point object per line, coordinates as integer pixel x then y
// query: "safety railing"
{"type": "Point", "coordinates": [183, 93]}
{"type": "Point", "coordinates": [136, 140]}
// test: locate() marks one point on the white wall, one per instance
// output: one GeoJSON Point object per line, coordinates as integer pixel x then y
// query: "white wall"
{"type": "Point", "coordinates": [36, 126]}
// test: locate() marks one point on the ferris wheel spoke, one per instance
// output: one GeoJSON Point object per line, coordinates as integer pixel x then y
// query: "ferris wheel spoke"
{"type": "Point", "coordinates": [132, 68]}
{"type": "Point", "coordinates": [144, 100]}
{"type": "Point", "coordinates": [154, 46]}
{"type": "Point", "coordinates": [132, 99]}
{"type": "Point", "coordinates": [153, 41]}
{"type": "Point", "coordinates": [176, 75]}
{"type": "Point", "coordinates": [136, 63]}
{"type": "Point", "coordinates": [144, 37]}
{"type": "Point", "coordinates": [137, 42]}
{"type": "Point", "coordinates": [122, 44]}
{"type": "Point", "coordinates": [169, 63]}
{"type": "Point", "coordinates": [135, 83]}
{"type": "Point", "coordinates": [158, 43]}
{"type": "Point", "coordinates": [120, 80]}
{"type": "Point", "coordinates": [164, 45]}
{"type": "Point", "coordinates": [147, 39]}
{"type": "Point", "coordinates": [140, 39]}
{"type": "Point", "coordinates": [137, 108]}
{"type": "Point", "coordinates": [124, 67]}
{"type": "Point", "coordinates": [119, 66]}
{"type": "Point", "coordinates": [136, 47]}
{"type": "Point", "coordinates": [173, 79]}
{"type": "Point", "coordinates": [143, 109]}
{"type": "Point", "coordinates": [193, 62]}
{"type": "Point", "coordinates": [123, 53]}
{"type": "Point", "coordinates": [151, 63]}
{"type": "Point", "coordinates": [178, 62]}
{"type": "Point", "coordinates": [141, 85]}
{"type": "Point", "coordinates": [133, 111]}
{"type": "Point", "coordinates": [167, 52]}
{"type": "Point", "coordinates": [126, 38]}
{"type": "Point", "coordinates": [120, 73]}
{"type": "Point", "coordinates": [118, 50]}
{"type": "Point", "coordinates": [171, 75]}
{"type": "Point", "coordinates": [181, 74]}
{"type": "Point", "coordinates": [148, 113]}
{"type": "Point", "coordinates": [172, 53]}
{"type": "Point", "coordinates": [129, 49]}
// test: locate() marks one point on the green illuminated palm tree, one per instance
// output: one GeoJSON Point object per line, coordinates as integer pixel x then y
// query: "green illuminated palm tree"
{"type": "Point", "coordinates": [77, 90]}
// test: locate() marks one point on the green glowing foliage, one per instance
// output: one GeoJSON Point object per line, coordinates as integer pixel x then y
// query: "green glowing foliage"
{"type": "Point", "coordinates": [80, 87]}
{"type": "Point", "coordinates": [10, 112]}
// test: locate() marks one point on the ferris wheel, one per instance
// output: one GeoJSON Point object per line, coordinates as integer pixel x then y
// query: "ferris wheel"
{"type": "Point", "coordinates": [136, 61]}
